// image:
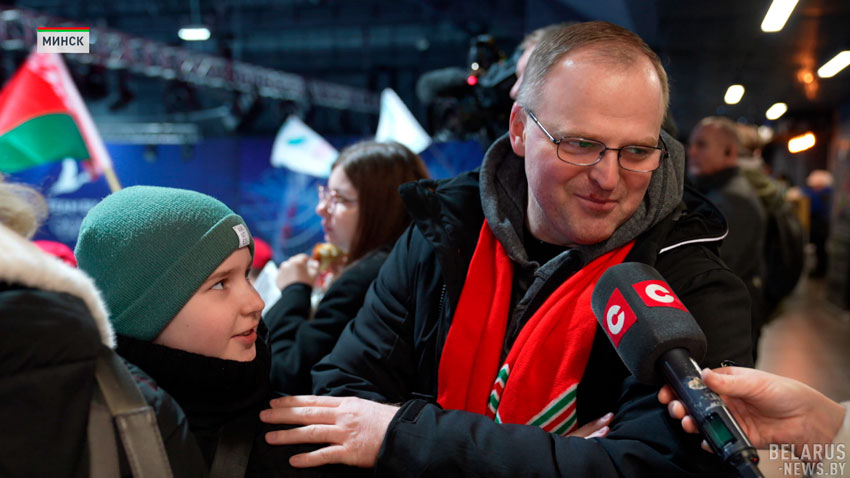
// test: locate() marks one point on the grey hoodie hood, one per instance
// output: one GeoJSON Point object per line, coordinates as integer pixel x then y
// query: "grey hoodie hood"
{"type": "Point", "coordinates": [504, 191]}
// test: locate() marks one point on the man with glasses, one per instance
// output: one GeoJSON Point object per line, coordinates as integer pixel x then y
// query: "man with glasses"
{"type": "Point", "coordinates": [479, 324]}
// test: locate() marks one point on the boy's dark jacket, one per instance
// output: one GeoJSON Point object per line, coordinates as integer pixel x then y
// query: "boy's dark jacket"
{"type": "Point", "coordinates": [391, 351]}
{"type": "Point", "coordinates": [224, 398]}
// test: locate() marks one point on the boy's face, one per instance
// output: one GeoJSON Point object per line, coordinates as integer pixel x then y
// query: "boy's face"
{"type": "Point", "coordinates": [221, 319]}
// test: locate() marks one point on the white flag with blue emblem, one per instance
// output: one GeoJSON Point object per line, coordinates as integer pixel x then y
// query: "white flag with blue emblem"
{"type": "Point", "coordinates": [302, 150]}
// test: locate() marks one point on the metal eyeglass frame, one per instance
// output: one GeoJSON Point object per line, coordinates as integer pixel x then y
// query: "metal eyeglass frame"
{"type": "Point", "coordinates": [557, 143]}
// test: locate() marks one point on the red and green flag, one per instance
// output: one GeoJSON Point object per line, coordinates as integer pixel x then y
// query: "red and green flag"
{"type": "Point", "coordinates": [44, 119]}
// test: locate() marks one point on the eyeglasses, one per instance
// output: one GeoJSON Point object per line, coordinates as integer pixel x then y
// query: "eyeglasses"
{"type": "Point", "coordinates": [332, 199]}
{"type": "Point", "coordinates": [587, 152]}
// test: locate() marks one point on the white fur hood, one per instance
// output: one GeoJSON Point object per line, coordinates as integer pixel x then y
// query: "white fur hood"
{"type": "Point", "coordinates": [22, 262]}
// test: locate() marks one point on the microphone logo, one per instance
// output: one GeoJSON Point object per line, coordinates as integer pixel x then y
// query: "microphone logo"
{"type": "Point", "coordinates": [619, 317]}
{"type": "Point", "coordinates": [615, 327]}
{"type": "Point", "coordinates": [656, 293]}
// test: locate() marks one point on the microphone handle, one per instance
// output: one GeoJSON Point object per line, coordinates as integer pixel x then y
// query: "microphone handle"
{"type": "Point", "coordinates": [713, 419]}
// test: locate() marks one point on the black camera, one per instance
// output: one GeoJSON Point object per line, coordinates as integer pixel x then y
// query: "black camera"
{"type": "Point", "coordinates": [473, 102]}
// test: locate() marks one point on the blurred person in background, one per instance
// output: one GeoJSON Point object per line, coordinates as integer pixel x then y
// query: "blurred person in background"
{"type": "Point", "coordinates": [59, 250]}
{"type": "Point", "coordinates": [526, 47]}
{"type": "Point", "coordinates": [818, 189]}
{"type": "Point", "coordinates": [783, 255]}
{"type": "Point", "coordinates": [362, 216]}
{"type": "Point", "coordinates": [262, 255]}
{"type": "Point", "coordinates": [713, 149]}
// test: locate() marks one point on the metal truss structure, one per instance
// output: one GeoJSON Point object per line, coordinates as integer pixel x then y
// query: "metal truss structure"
{"type": "Point", "coordinates": [116, 50]}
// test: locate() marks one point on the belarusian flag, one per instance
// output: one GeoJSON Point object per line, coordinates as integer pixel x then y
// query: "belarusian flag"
{"type": "Point", "coordinates": [43, 119]}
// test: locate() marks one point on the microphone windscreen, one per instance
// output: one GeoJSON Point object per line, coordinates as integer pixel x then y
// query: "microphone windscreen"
{"type": "Point", "coordinates": [643, 318]}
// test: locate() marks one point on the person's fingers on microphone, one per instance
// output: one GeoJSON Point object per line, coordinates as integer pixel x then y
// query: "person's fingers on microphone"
{"type": "Point", "coordinates": [730, 381]}
{"type": "Point", "coordinates": [689, 425]}
{"type": "Point", "coordinates": [676, 409]}
{"type": "Point", "coordinates": [666, 394]}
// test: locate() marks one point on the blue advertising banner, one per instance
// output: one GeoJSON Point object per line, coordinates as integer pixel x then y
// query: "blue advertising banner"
{"type": "Point", "coordinates": [277, 204]}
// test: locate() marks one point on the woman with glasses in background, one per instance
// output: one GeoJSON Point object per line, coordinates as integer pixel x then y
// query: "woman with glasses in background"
{"type": "Point", "coordinates": [362, 216]}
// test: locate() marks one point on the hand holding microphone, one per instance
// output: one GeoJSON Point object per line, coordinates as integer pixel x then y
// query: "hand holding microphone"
{"type": "Point", "coordinates": [771, 409]}
{"type": "Point", "coordinates": [658, 340]}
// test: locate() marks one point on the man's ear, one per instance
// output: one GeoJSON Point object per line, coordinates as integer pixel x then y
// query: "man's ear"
{"type": "Point", "coordinates": [516, 130]}
{"type": "Point", "coordinates": [731, 153]}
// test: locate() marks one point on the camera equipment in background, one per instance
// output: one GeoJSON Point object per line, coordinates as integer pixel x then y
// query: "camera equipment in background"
{"type": "Point", "coordinates": [472, 102]}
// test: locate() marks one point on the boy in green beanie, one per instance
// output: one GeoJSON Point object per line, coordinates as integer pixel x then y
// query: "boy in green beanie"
{"type": "Point", "coordinates": [172, 265]}
{"type": "Point", "coordinates": [150, 249]}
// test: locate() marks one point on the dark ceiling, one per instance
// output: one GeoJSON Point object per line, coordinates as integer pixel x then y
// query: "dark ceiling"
{"type": "Point", "coordinates": [711, 45]}
{"type": "Point", "coordinates": [372, 44]}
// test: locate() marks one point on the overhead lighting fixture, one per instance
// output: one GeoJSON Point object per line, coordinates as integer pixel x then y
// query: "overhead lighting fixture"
{"type": "Point", "coordinates": [836, 64]}
{"type": "Point", "coordinates": [801, 143]}
{"type": "Point", "coordinates": [194, 33]}
{"type": "Point", "coordinates": [775, 111]}
{"type": "Point", "coordinates": [777, 15]}
{"type": "Point", "coordinates": [734, 94]}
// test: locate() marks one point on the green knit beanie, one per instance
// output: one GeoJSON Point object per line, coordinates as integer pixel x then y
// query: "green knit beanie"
{"type": "Point", "coordinates": [149, 249]}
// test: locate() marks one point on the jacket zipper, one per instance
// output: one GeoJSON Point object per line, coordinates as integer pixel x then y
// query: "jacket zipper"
{"type": "Point", "coordinates": [442, 334]}
{"type": "Point", "coordinates": [442, 299]}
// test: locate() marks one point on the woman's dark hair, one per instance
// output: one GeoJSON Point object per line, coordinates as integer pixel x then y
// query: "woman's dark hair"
{"type": "Point", "coordinates": [376, 170]}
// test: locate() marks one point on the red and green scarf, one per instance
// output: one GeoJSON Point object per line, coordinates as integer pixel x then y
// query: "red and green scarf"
{"type": "Point", "coordinates": [537, 383]}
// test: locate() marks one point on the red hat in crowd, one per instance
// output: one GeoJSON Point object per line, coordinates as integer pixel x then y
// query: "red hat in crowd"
{"type": "Point", "coordinates": [59, 250]}
{"type": "Point", "coordinates": [262, 253]}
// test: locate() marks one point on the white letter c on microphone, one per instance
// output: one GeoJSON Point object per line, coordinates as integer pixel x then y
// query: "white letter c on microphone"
{"type": "Point", "coordinates": [658, 293]}
{"type": "Point", "coordinates": [615, 328]}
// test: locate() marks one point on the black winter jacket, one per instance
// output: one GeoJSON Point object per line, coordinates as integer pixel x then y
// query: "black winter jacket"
{"type": "Point", "coordinates": [217, 395]}
{"type": "Point", "coordinates": [743, 248]}
{"type": "Point", "coordinates": [46, 385]}
{"type": "Point", "coordinates": [298, 341]}
{"type": "Point", "coordinates": [391, 352]}
{"type": "Point", "coordinates": [53, 325]}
